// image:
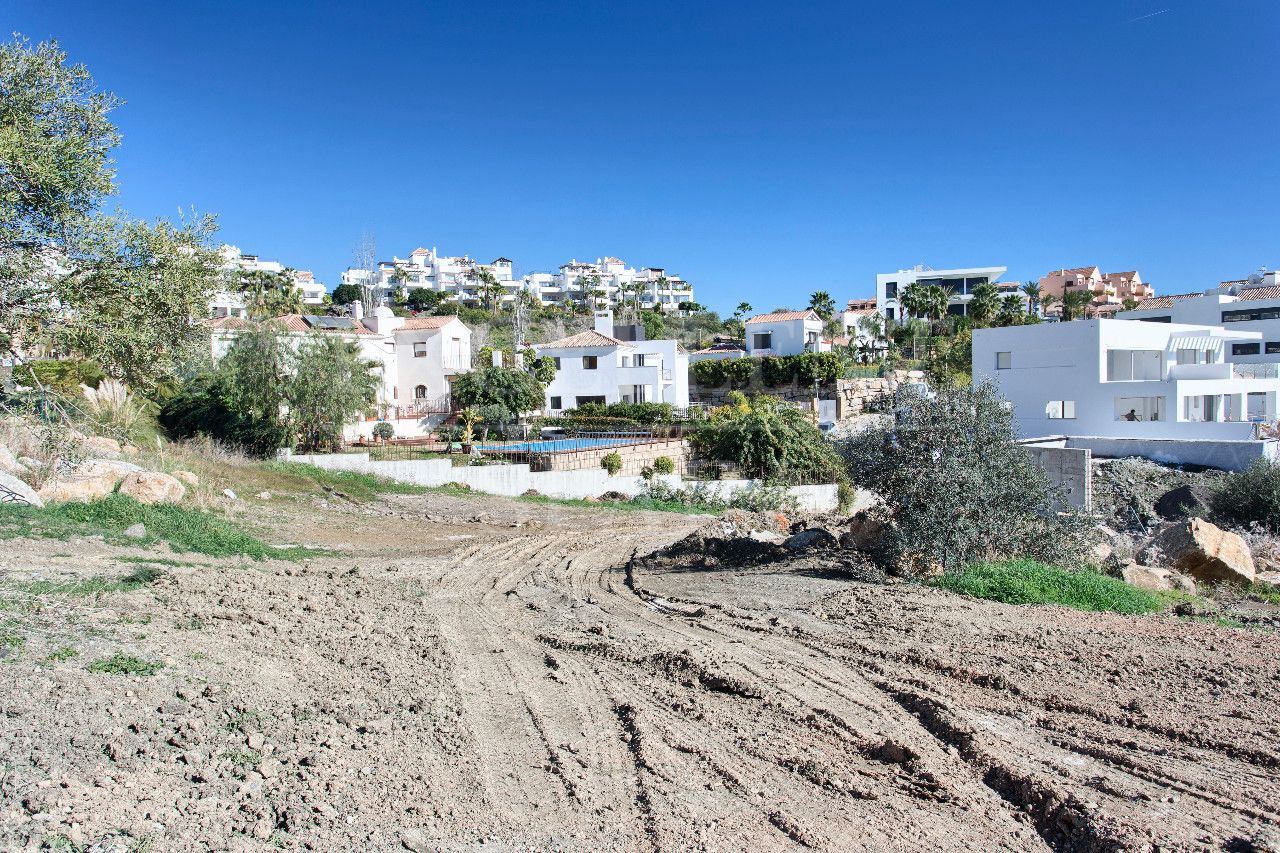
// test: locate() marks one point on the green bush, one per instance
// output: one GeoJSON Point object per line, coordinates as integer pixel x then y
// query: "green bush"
{"type": "Point", "coordinates": [577, 426]}
{"type": "Point", "coordinates": [60, 376]}
{"type": "Point", "coordinates": [718, 372]}
{"type": "Point", "coordinates": [1031, 582]}
{"type": "Point", "coordinates": [738, 371]}
{"type": "Point", "coordinates": [640, 413]}
{"type": "Point", "coordinates": [612, 462]}
{"type": "Point", "coordinates": [1250, 497]}
{"type": "Point", "coordinates": [770, 441]}
{"type": "Point", "coordinates": [384, 431]}
{"type": "Point", "coordinates": [664, 465]}
{"type": "Point", "coordinates": [957, 489]}
{"type": "Point", "coordinates": [777, 370]}
{"type": "Point", "coordinates": [202, 407]}
{"type": "Point", "coordinates": [122, 664]}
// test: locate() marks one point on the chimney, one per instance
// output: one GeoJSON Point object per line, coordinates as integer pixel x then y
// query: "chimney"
{"type": "Point", "coordinates": [357, 310]}
{"type": "Point", "coordinates": [604, 322]}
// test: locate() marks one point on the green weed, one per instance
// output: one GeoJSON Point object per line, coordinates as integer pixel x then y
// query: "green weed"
{"type": "Point", "coordinates": [122, 664]}
{"type": "Point", "coordinates": [353, 484]}
{"type": "Point", "coordinates": [1030, 582]}
{"type": "Point", "coordinates": [633, 505]}
{"type": "Point", "coordinates": [243, 758]}
{"type": "Point", "coordinates": [61, 653]}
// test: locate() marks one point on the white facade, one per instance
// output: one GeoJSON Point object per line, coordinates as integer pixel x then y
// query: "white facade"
{"type": "Point", "coordinates": [417, 360]}
{"type": "Point", "coordinates": [1246, 306]}
{"type": "Point", "coordinates": [596, 367]}
{"type": "Point", "coordinates": [228, 303]}
{"type": "Point", "coordinates": [574, 283]}
{"type": "Point", "coordinates": [1126, 379]}
{"type": "Point", "coordinates": [960, 283]}
{"type": "Point", "coordinates": [785, 333]}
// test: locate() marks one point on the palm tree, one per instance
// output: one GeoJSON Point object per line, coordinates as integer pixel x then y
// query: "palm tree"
{"type": "Point", "coordinates": [488, 286]}
{"type": "Point", "coordinates": [985, 303]}
{"type": "Point", "coordinates": [1047, 301]}
{"type": "Point", "coordinates": [822, 302]}
{"type": "Point", "coordinates": [913, 299]}
{"type": "Point", "coordinates": [1032, 289]}
{"type": "Point", "coordinates": [743, 309]}
{"type": "Point", "coordinates": [1075, 303]}
{"type": "Point", "coordinates": [1012, 311]}
{"type": "Point", "coordinates": [936, 300]}
{"type": "Point", "coordinates": [873, 327]}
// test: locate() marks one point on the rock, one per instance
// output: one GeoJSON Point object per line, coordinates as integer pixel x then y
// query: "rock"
{"type": "Point", "coordinates": [230, 494]}
{"type": "Point", "coordinates": [14, 491]}
{"type": "Point", "coordinates": [263, 496]}
{"type": "Point", "coordinates": [1101, 552]}
{"type": "Point", "coordinates": [1185, 501]}
{"type": "Point", "coordinates": [591, 499]}
{"type": "Point", "coordinates": [1203, 551]}
{"type": "Point", "coordinates": [864, 531]}
{"type": "Point", "coordinates": [765, 536]}
{"type": "Point", "coordinates": [136, 531]}
{"type": "Point", "coordinates": [814, 537]}
{"type": "Point", "coordinates": [461, 487]}
{"type": "Point", "coordinates": [129, 450]}
{"type": "Point", "coordinates": [8, 463]}
{"type": "Point", "coordinates": [416, 840]}
{"type": "Point", "coordinates": [187, 477]}
{"type": "Point", "coordinates": [1147, 577]}
{"type": "Point", "coordinates": [90, 480]}
{"type": "Point", "coordinates": [531, 493]}
{"type": "Point", "coordinates": [152, 487]}
{"type": "Point", "coordinates": [614, 497]}
{"type": "Point", "coordinates": [100, 444]}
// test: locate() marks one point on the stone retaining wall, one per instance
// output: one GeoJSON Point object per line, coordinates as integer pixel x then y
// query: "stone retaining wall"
{"type": "Point", "coordinates": [853, 397]}
{"type": "Point", "coordinates": [635, 457]}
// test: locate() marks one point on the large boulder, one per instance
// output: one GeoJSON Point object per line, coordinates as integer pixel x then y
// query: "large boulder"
{"type": "Point", "coordinates": [865, 531]}
{"type": "Point", "coordinates": [1185, 501]}
{"type": "Point", "coordinates": [1156, 580]}
{"type": "Point", "coordinates": [90, 480]}
{"type": "Point", "coordinates": [152, 487]}
{"type": "Point", "coordinates": [814, 537]}
{"type": "Point", "coordinates": [1204, 551]}
{"type": "Point", "coordinates": [9, 464]}
{"type": "Point", "coordinates": [100, 444]}
{"type": "Point", "coordinates": [14, 491]}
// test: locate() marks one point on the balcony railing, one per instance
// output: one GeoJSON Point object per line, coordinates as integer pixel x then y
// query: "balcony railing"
{"type": "Point", "coordinates": [421, 408]}
{"type": "Point", "coordinates": [1265, 370]}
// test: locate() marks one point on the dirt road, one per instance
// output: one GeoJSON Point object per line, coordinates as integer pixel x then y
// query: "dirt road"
{"type": "Point", "coordinates": [481, 672]}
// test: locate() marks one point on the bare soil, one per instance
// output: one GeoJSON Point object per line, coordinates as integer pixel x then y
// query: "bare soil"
{"type": "Point", "coordinates": [475, 671]}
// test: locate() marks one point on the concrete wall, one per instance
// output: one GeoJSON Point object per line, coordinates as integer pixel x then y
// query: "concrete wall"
{"type": "Point", "coordinates": [1069, 468]}
{"type": "Point", "coordinates": [635, 457]}
{"type": "Point", "coordinates": [513, 480]}
{"type": "Point", "coordinates": [1226, 455]}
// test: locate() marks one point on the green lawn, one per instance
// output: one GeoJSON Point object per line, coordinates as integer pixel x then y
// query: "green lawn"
{"type": "Point", "coordinates": [1029, 582]}
{"type": "Point", "coordinates": [353, 484]}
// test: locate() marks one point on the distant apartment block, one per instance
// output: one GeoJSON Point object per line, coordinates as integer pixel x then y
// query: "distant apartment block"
{"type": "Point", "coordinates": [959, 284]}
{"type": "Point", "coordinates": [1107, 291]}
{"type": "Point", "coordinates": [606, 283]}
{"type": "Point", "coordinates": [229, 303]}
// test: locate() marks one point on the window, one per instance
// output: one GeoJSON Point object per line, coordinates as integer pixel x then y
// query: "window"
{"type": "Point", "coordinates": [1246, 349]}
{"type": "Point", "coordinates": [420, 349]}
{"type": "Point", "coordinates": [556, 359]}
{"type": "Point", "coordinates": [420, 393]}
{"type": "Point", "coordinates": [1134, 365]}
{"type": "Point", "coordinates": [555, 403]}
{"type": "Point", "coordinates": [890, 289]}
{"type": "Point", "coordinates": [1139, 408]}
{"type": "Point", "coordinates": [1164, 319]}
{"type": "Point", "coordinates": [639, 360]}
{"type": "Point", "coordinates": [1188, 356]}
{"type": "Point", "coordinates": [589, 362]}
{"type": "Point", "coordinates": [581, 401]}
{"type": "Point", "coordinates": [762, 340]}
{"type": "Point", "coordinates": [1060, 410]}
{"type": "Point", "coordinates": [1004, 360]}
{"type": "Point", "coordinates": [1245, 314]}
{"type": "Point", "coordinates": [1273, 347]}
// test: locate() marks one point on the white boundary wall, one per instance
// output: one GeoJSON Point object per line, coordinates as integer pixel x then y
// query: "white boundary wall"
{"type": "Point", "coordinates": [514, 480]}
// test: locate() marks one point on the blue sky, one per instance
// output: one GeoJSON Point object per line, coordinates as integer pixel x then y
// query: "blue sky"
{"type": "Point", "coordinates": [762, 151]}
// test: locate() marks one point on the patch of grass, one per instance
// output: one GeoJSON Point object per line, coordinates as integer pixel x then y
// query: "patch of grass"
{"type": "Point", "coordinates": [243, 758]}
{"type": "Point", "coordinates": [353, 484]}
{"type": "Point", "coordinates": [184, 529]}
{"type": "Point", "coordinates": [1030, 582]}
{"type": "Point", "coordinates": [61, 653]}
{"type": "Point", "coordinates": [158, 561]}
{"type": "Point", "coordinates": [633, 505]}
{"type": "Point", "coordinates": [142, 577]}
{"type": "Point", "coordinates": [1264, 592]}
{"type": "Point", "coordinates": [122, 664]}
{"type": "Point", "coordinates": [10, 643]}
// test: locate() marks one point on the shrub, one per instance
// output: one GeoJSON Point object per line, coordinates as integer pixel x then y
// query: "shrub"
{"type": "Point", "coordinates": [1249, 497]}
{"type": "Point", "coordinates": [122, 664]}
{"type": "Point", "coordinates": [612, 462]}
{"type": "Point", "coordinates": [201, 407]}
{"type": "Point", "coordinates": [770, 441]}
{"type": "Point", "coordinates": [1030, 582]}
{"type": "Point", "coordinates": [514, 389]}
{"type": "Point", "coordinates": [823, 367]}
{"type": "Point", "coordinates": [701, 496]}
{"type": "Point", "coordinates": [715, 373]}
{"type": "Point", "coordinates": [956, 489]}
{"type": "Point", "coordinates": [738, 371]}
{"type": "Point", "coordinates": [383, 431]}
{"type": "Point", "coordinates": [777, 370]}
{"type": "Point", "coordinates": [113, 410]}
{"type": "Point", "coordinates": [664, 465]}
{"type": "Point", "coordinates": [62, 376]}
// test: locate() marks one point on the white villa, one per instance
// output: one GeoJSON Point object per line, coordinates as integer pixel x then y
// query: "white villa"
{"type": "Point", "coordinates": [785, 333]}
{"type": "Point", "coordinates": [609, 279]}
{"type": "Point", "coordinates": [598, 367]}
{"type": "Point", "coordinates": [1123, 379]}
{"type": "Point", "coordinates": [229, 304]}
{"type": "Point", "coordinates": [1251, 305]}
{"type": "Point", "coordinates": [417, 358]}
{"type": "Point", "coordinates": [959, 283]}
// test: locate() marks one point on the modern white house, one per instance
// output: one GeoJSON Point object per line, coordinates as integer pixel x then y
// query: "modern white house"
{"type": "Point", "coordinates": [1119, 379]}
{"type": "Point", "coordinates": [719, 351]}
{"type": "Point", "coordinates": [597, 366]}
{"type": "Point", "coordinates": [417, 359]}
{"type": "Point", "coordinates": [959, 284]}
{"type": "Point", "coordinates": [1251, 305]}
{"type": "Point", "coordinates": [605, 283]}
{"type": "Point", "coordinates": [228, 303]}
{"type": "Point", "coordinates": [785, 333]}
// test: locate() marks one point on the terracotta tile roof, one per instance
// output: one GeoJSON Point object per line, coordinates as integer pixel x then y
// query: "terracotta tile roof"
{"type": "Point", "coordinates": [298, 323]}
{"type": "Point", "coordinates": [1125, 275]}
{"type": "Point", "coordinates": [1080, 270]}
{"type": "Point", "coordinates": [779, 316]}
{"type": "Point", "coordinates": [428, 322]}
{"type": "Point", "coordinates": [590, 338]}
{"type": "Point", "coordinates": [229, 323]}
{"type": "Point", "coordinates": [1163, 301]}
{"type": "Point", "coordinates": [861, 312]}
{"type": "Point", "coordinates": [1270, 291]}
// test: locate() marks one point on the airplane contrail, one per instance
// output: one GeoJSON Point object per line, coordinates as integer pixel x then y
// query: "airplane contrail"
{"type": "Point", "coordinates": [1148, 15]}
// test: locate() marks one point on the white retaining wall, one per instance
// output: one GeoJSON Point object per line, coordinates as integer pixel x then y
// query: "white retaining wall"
{"type": "Point", "coordinates": [513, 480]}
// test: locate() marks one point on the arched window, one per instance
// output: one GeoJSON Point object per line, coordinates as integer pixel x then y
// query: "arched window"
{"type": "Point", "coordinates": [420, 393]}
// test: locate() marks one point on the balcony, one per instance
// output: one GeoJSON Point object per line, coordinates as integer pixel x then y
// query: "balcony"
{"type": "Point", "coordinates": [422, 408]}
{"type": "Point", "coordinates": [455, 363]}
{"type": "Point", "coordinates": [1221, 370]}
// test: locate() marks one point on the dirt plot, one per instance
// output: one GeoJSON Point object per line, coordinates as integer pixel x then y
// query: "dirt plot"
{"type": "Point", "coordinates": [477, 670]}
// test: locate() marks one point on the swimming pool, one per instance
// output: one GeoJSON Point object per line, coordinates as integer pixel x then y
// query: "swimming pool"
{"type": "Point", "coordinates": [557, 444]}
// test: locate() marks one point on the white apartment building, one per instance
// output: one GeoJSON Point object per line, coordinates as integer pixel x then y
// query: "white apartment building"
{"type": "Point", "coordinates": [1123, 379]}
{"type": "Point", "coordinates": [598, 367]}
{"type": "Point", "coordinates": [785, 333]}
{"type": "Point", "coordinates": [1251, 305]}
{"type": "Point", "coordinates": [228, 303]}
{"type": "Point", "coordinates": [959, 284]}
{"type": "Point", "coordinates": [575, 283]}
{"type": "Point", "coordinates": [417, 359]}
